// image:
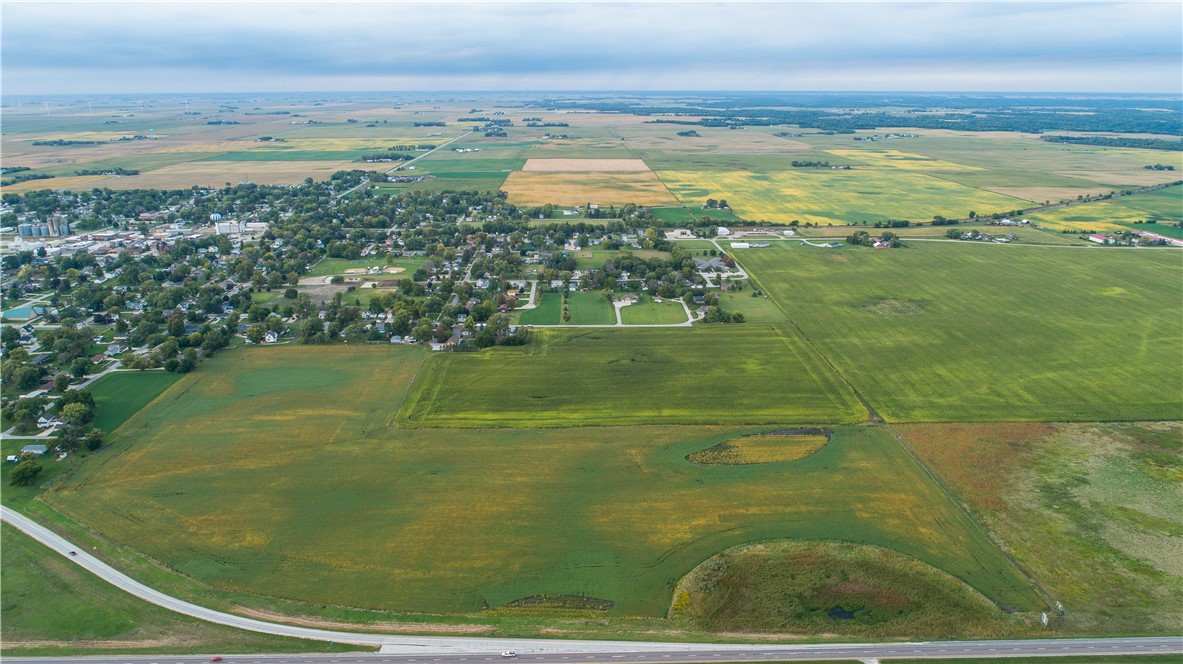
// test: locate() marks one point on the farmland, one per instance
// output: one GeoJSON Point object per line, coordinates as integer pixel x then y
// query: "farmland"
{"type": "Point", "coordinates": [310, 508]}
{"type": "Point", "coordinates": [540, 188]}
{"type": "Point", "coordinates": [756, 373]}
{"type": "Point", "coordinates": [835, 197]}
{"type": "Point", "coordinates": [1092, 510]}
{"type": "Point", "coordinates": [968, 345]}
{"type": "Point", "coordinates": [1163, 206]}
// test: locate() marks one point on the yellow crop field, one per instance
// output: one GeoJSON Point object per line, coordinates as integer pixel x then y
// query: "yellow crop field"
{"type": "Point", "coordinates": [71, 182]}
{"type": "Point", "coordinates": [835, 197]}
{"type": "Point", "coordinates": [580, 188]}
{"type": "Point", "coordinates": [905, 160]}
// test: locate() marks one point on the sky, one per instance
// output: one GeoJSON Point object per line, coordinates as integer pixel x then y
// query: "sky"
{"type": "Point", "coordinates": [190, 47]}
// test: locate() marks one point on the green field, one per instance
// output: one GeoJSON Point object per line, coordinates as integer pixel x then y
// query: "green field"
{"type": "Point", "coordinates": [548, 312]}
{"type": "Point", "coordinates": [1091, 510]}
{"type": "Point", "coordinates": [957, 332]}
{"type": "Point", "coordinates": [759, 309]}
{"type": "Point", "coordinates": [332, 266]}
{"type": "Point", "coordinates": [304, 491]}
{"type": "Point", "coordinates": [742, 374]}
{"type": "Point", "coordinates": [1164, 206]}
{"type": "Point", "coordinates": [50, 606]}
{"type": "Point", "coordinates": [590, 308]}
{"type": "Point", "coordinates": [648, 312]}
{"type": "Point", "coordinates": [118, 396]}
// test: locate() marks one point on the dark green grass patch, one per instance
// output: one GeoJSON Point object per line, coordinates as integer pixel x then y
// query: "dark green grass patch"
{"type": "Point", "coordinates": [750, 373]}
{"type": "Point", "coordinates": [118, 396]}
{"type": "Point", "coordinates": [548, 312]}
{"type": "Point", "coordinates": [590, 309]}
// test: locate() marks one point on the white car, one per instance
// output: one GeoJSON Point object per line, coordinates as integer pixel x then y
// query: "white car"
{"type": "Point", "coordinates": [509, 653]}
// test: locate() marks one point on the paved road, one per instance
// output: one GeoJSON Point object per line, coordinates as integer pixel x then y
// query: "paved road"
{"type": "Point", "coordinates": [403, 164]}
{"type": "Point", "coordinates": [687, 653]}
{"type": "Point", "coordinates": [424, 649]}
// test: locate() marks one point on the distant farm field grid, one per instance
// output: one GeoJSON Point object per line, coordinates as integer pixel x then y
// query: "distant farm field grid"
{"type": "Point", "coordinates": [586, 165]}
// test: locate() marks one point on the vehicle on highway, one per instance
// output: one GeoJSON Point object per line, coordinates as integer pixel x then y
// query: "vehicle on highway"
{"type": "Point", "coordinates": [73, 553]}
{"type": "Point", "coordinates": [509, 653]}
{"type": "Point", "coordinates": [215, 659]}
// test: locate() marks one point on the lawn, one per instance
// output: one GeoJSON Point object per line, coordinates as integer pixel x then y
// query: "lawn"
{"type": "Point", "coordinates": [759, 309]}
{"type": "Point", "coordinates": [648, 312]}
{"type": "Point", "coordinates": [119, 395]}
{"type": "Point", "coordinates": [275, 471]}
{"type": "Point", "coordinates": [712, 374]}
{"type": "Point", "coordinates": [836, 197]}
{"type": "Point", "coordinates": [1090, 510]}
{"type": "Point", "coordinates": [957, 332]}
{"type": "Point", "coordinates": [50, 606]}
{"type": "Point", "coordinates": [332, 266]}
{"type": "Point", "coordinates": [548, 312]}
{"type": "Point", "coordinates": [590, 308]}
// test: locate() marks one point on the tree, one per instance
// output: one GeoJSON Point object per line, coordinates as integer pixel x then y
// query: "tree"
{"type": "Point", "coordinates": [61, 382]}
{"type": "Point", "coordinates": [255, 334]}
{"type": "Point", "coordinates": [93, 439]}
{"type": "Point", "coordinates": [24, 472]}
{"type": "Point", "coordinates": [75, 413]}
{"type": "Point", "coordinates": [81, 367]}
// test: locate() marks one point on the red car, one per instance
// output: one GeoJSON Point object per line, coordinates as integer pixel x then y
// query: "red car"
{"type": "Point", "coordinates": [215, 659]}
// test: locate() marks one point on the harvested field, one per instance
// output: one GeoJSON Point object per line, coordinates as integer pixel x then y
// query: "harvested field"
{"type": "Point", "coordinates": [585, 166]}
{"type": "Point", "coordinates": [642, 188]}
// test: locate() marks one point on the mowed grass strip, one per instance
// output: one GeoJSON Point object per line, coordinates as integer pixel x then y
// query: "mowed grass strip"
{"type": "Point", "coordinates": [951, 332]}
{"type": "Point", "coordinates": [118, 396]}
{"type": "Point", "coordinates": [334, 510]}
{"type": "Point", "coordinates": [740, 374]}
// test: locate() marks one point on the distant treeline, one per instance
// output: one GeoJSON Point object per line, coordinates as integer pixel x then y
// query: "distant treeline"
{"type": "Point", "coordinates": [8, 170]}
{"type": "Point", "coordinates": [223, 122]}
{"type": "Point", "coordinates": [25, 177]}
{"type": "Point", "coordinates": [534, 123]}
{"type": "Point", "coordinates": [61, 141]}
{"type": "Point", "coordinates": [1118, 142]}
{"type": "Point", "coordinates": [846, 114]}
{"type": "Point", "coordinates": [108, 171]}
{"type": "Point", "coordinates": [387, 156]}
{"type": "Point", "coordinates": [817, 164]}
{"type": "Point", "coordinates": [430, 124]}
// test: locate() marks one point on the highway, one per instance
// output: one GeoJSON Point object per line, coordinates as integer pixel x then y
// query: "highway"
{"type": "Point", "coordinates": [450, 650]}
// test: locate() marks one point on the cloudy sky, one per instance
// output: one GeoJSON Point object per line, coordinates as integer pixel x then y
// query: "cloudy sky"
{"type": "Point", "coordinates": [98, 47]}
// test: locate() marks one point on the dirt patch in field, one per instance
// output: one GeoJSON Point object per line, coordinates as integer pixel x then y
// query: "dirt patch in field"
{"type": "Point", "coordinates": [399, 628]}
{"type": "Point", "coordinates": [585, 165]}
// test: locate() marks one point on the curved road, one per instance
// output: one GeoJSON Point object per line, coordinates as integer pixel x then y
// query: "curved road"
{"type": "Point", "coordinates": [399, 648]}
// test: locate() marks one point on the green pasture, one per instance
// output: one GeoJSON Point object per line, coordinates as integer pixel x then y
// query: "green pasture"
{"type": "Point", "coordinates": [50, 606]}
{"type": "Point", "coordinates": [959, 332]}
{"type": "Point", "coordinates": [593, 259]}
{"type": "Point", "coordinates": [742, 374]}
{"type": "Point", "coordinates": [590, 308]}
{"type": "Point", "coordinates": [758, 309]}
{"type": "Point", "coordinates": [275, 471]}
{"type": "Point", "coordinates": [119, 395]}
{"type": "Point", "coordinates": [548, 312]}
{"type": "Point", "coordinates": [648, 312]}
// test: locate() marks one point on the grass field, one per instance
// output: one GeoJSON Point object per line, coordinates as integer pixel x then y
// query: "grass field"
{"type": "Point", "coordinates": [648, 312]}
{"type": "Point", "coordinates": [836, 588]}
{"type": "Point", "coordinates": [835, 197]}
{"type": "Point", "coordinates": [49, 606]}
{"type": "Point", "coordinates": [590, 308]}
{"type": "Point", "coordinates": [750, 374]}
{"type": "Point", "coordinates": [1090, 510]}
{"type": "Point", "coordinates": [274, 471]}
{"type": "Point", "coordinates": [333, 266]}
{"type": "Point", "coordinates": [1099, 339]}
{"type": "Point", "coordinates": [118, 396]}
{"type": "Point", "coordinates": [548, 312]}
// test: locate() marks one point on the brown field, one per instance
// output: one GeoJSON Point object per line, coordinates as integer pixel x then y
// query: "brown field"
{"type": "Point", "coordinates": [1040, 194]}
{"type": "Point", "coordinates": [71, 182]}
{"type": "Point", "coordinates": [580, 188]}
{"type": "Point", "coordinates": [1133, 177]}
{"type": "Point", "coordinates": [217, 173]}
{"type": "Point", "coordinates": [585, 166]}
